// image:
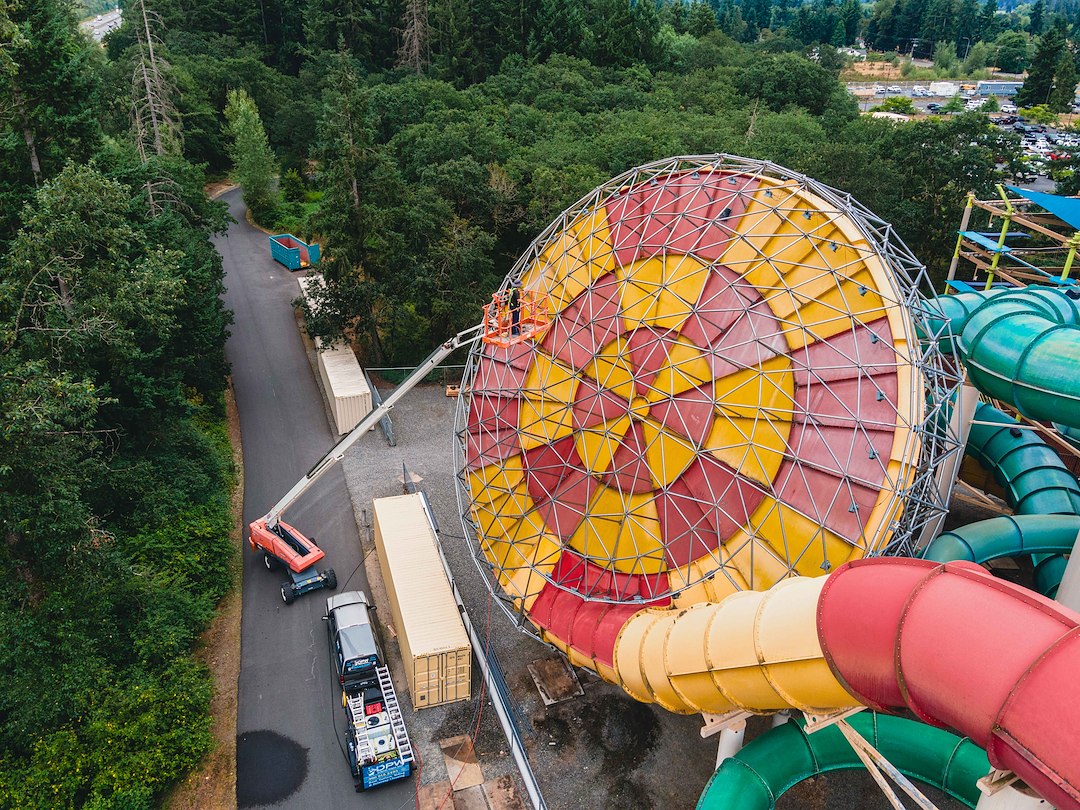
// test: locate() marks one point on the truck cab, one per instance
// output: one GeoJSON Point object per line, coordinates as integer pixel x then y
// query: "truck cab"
{"type": "Point", "coordinates": [352, 638]}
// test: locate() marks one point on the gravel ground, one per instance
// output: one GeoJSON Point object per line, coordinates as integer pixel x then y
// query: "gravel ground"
{"type": "Point", "coordinates": [602, 750]}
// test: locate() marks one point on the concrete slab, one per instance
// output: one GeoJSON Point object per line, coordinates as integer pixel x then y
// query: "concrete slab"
{"type": "Point", "coordinates": [461, 764]}
{"type": "Point", "coordinates": [555, 679]}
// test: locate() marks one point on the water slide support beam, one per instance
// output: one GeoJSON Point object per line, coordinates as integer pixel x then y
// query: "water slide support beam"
{"type": "Point", "coordinates": [875, 763]}
{"type": "Point", "coordinates": [1006, 221]}
{"type": "Point", "coordinates": [1068, 592]}
{"type": "Point", "coordinates": [960, 238]}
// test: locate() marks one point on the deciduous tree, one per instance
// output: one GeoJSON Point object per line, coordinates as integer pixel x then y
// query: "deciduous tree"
{"type": "Point", "coordinates": [253, 162]}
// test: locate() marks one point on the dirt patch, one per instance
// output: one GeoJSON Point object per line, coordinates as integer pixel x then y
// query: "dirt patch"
{"type": "Point", "coordinates": [218, 187]}
{"type": "Point", "coordinates": [213, 783]}
{"type": "Point", "coordinates": [463, 718]}
{"type": "Point", "coordinates": [270, 767]}
{"type": "Point", "coordinates": [621, 731]}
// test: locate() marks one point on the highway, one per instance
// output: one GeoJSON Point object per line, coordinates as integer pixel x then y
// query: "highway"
{"type": "Point", "coordinates": [102, 24]}
{"type": "Point", "coordinates": [287, 751]}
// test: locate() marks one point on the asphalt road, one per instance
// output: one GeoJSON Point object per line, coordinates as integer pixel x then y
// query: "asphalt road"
{"type": "Point", "coordinates": [99, 26]}
{"type": "Point", "coordinates": [286, 685]}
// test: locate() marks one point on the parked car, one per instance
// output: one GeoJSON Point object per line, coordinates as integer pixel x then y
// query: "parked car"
{"type": "Point", "coordinates": [1008, 108]}
{"type": "Point", "coordinates": [895, 88]}
{"type": "Point", "coordinates": [933, 107]}
{"type": "Point", "coordinates": [879, 90]}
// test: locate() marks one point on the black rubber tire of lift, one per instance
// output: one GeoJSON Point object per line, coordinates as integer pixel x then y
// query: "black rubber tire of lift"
{"type": "Point", "coordinates": [288, 594]}
{"type": "Point", "coordinates": [268, 561]}
{"type": "Point", "coordinates": [331, 579]}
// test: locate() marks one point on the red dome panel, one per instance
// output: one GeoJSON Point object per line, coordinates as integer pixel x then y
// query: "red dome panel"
{"type": "Point", "coordinates": [704, 507]}
{"type": "Point", "coordinates": [586, 325]}
{"type": "Point", "coordinates": [689, 414]}
{"type": "Point", "coordinates": [827, 497]}
{"type": "Point", "coordinates": [574, 572]}
{"type": "Point", "coordinates": [559, 485]}
{"type": "Point", "coordinates": [594, 405]}
{"type": "Point", "coordinates": [846, 355]}
{"type": "Point", "coordinates": [502, 370]}
{"type": "Point", "coordinates": [682, 213]}
{"type": "Point", "coordinates": [649, 349]}
{"type": "Point", "coordinates": [492, 433]}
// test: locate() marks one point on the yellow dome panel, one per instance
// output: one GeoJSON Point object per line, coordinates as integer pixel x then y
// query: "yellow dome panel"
{"type": "Point", "coordinates": [611, 368]}
{"type": "Point", "coordinates": [621, 532]}
{"type": "Point", "coordinates": [570, 264]}
{"type": "Point", "coordinates": [668, 454]}
{"type": "Point", "coordinates": [661, 290]}
{"type": "Point", "coordinates": [597, 446]}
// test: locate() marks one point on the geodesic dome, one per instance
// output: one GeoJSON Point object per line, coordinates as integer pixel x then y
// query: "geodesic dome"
{"type": "Point", "coordinates": [730, 391]}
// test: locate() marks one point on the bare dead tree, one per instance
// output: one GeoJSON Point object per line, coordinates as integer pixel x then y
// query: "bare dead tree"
{"type": "Point", "coordinates": [154, 118]}
{"type": "Point", "coordinates": [414, 52]}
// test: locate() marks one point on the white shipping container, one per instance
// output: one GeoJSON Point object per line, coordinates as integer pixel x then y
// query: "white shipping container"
{"type": "Point", "coordinates": [434, 646]}
{"type": "Point", "coordinates": [346, 387]}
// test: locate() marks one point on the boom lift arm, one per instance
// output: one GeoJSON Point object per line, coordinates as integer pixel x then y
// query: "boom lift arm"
{"type": "Point", "coordinates": [337, 452]}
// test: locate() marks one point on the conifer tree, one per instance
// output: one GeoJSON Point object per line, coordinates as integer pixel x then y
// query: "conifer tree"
{"type": "Point", "coordinates": [1040, 80]}
{"type": "Point", "coordinates": [48, 89]}
{"type": "Point", "coordinates": [414, 52]}
{"type": "Point", "coordinates": [1065, 79]}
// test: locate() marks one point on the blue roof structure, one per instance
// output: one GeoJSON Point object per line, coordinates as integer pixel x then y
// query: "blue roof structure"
{"type": "Point", "coordinates": [1067, 209]}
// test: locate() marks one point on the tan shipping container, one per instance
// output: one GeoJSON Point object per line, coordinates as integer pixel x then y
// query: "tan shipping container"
{"type": "Point", "coordinates": [346, 387]}
{"type": "Point", "coordinates": [434, 645]}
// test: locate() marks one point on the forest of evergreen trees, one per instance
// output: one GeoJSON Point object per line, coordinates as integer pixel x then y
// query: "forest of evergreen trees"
{"type": "Point", "coordinates": [425, 144]}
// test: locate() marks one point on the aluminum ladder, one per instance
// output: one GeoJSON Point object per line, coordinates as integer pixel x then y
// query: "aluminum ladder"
{"type": "Point", "coordinates": [364, 753]}
{"type": "Point", "coordinates": [393, 709]}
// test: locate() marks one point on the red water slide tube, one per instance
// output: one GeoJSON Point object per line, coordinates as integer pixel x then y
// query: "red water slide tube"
{"type": "Point", "coordinates": [963, 649]}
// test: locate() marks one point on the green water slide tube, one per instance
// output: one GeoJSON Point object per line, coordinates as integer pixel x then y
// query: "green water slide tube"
{"type": "Point", "coordinates": [1006, 536]}
{"type": "Point", "coordinates": [1023, 347]}
{"type": "Point", "coordinates": [1037, 486]}
{"type": "Point", "coordinates": [784, 756]}
{"type": "Point", "coordinates": [1035, 480]}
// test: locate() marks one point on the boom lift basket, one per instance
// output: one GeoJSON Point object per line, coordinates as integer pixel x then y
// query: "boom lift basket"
{"type": "Point", "coordinates": [502, 328]}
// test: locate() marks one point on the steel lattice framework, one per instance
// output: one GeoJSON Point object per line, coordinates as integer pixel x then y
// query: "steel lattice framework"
{"type": "Point", "coordinates": [732, 390]}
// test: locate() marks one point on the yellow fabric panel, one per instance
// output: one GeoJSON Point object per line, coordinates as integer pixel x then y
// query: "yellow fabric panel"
{"type": "Point", "coordinates": [543, 421]}
{"type": "Point", "coordinates": [800, 539]}
{"type": "Point", "coordinates": [661, 291]}
{"type": "Point", "coordinates": [510, 516]}
{"type": "Point", "coordinates": [597, 446]}
{"type": "Point", "coordinates": [524, 584]}
{"type": "Point", "coordinates": [578, 256]}
{"type": "Point", "coordinates": [668, 454]}
{"type": "Point", "coordinates": [753, 422]}
{"type": "Point", "coordinates": [745, 251]}
{"type": "Point", "coordinates": [768, 388]}
{"type": "Point", "coordinates": [686, 368]}
{"type": "Point", "coordinates": [495, 480]}
{"type": "Point", "coordinates": [753, 557]}
{"type": "Point", "coordinates": [711, 584]}
{"type": "Point", "coordinates": [621, 531]}
{"type": "Point", "coordinates": [549, 379]}
{"type": "Point", "coordinates": [612, 370]}
{"type": "Point", "coordinates": [829, 312]}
